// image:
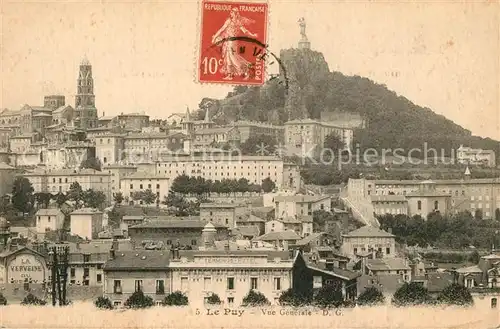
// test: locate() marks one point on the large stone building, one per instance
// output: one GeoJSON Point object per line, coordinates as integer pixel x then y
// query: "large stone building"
{"type": "Point", "coordinates": [142, 181]}
{"type": "Point", "coordinates": [369, 240]}
{"type": "Point", "coordinates": [300, 205]}
{"type": "Point", "coordinates": [469, 155]}
{"type": "Point", "coordinates": [463, 194]}
{"type": "Point", "coordinates": [60, 180]}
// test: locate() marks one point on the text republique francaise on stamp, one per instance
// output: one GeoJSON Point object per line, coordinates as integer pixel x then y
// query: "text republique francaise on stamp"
{"type": "Point", "coordinates": [233, 42]}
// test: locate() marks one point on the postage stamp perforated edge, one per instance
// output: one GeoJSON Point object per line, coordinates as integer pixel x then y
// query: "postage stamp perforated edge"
{"type": "Point", "coordinates": [198, 49]}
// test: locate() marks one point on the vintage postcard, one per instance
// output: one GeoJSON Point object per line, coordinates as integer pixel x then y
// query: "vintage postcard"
{"type": "Point", "coordinates": [249, 164]}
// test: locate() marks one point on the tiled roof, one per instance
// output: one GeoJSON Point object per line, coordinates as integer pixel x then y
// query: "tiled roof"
{"type": "Point", "coordinates": [84, 211]}
{"type": "Point", "coordinates": [436, 282]}
{"type": "Point", "coordinates": [218, 130]}
{"type": "Point", "coordinates": [49, 212]}
{"type": "Point", "coordinates": [284, 235]}
{"type": "Point", "coordinates": [251, 231]}
{"type": "Point", "coordinates": [219, 205]}
{"type": "Point", "coordinates": [138, 260]}
{"type": "Point", "coordinates": [309, 238]}
{"type": "Point", "coordinates": [174, 224]}
{"type": "Point", "coordinates": [387, 264]}
{"type": "Point", "coordinates": [470, 269]}
{"type": "Point", "coordinates": [368, 232]}
{"type": "Point", "coordinates": [335, 271]}
{"type": "Point", "coordinates": [300, 198]}
{"type": "Point", "coordinates": [386, 198]}
{"type": "Point", "coordinates": [271, 254]}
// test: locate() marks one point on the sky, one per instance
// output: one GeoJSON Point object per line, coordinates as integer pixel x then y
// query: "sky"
{"type": "Point", "coordinates": [441, 55]}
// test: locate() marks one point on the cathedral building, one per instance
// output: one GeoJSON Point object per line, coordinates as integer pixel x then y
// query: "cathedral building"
{"type": "Point", "coordinates": [86, 112]}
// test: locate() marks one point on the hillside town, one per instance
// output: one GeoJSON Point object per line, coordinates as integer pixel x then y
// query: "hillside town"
{"type": "Point", "coordinates": [131, 204]}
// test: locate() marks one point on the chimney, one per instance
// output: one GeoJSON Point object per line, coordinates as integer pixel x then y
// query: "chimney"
{"type": "Point", "coordinates": [111, 253]}
{"type": "Point", "coordinates": [389, 230]}
{"type": "Point", "coordinates": [78, 245]}
{"type": "Point", "coordinates": [115, 244]}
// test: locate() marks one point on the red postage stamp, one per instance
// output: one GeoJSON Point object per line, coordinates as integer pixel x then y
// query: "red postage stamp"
{"type": "Point", "coordinates": [233, 42]}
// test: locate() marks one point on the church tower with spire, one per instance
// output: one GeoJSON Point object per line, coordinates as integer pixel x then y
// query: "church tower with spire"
{"type": "Point", "coordinates": [86, 112]}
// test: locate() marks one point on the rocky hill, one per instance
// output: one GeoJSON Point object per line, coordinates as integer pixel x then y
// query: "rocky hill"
{"type": "Point", "coordinates": [392, 121]}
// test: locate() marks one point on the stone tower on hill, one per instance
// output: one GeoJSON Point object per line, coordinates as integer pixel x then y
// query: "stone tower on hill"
{"type": "Point", "coordinates": [86, 112]}
{"type": "Point", "coordinates": [301, 66]}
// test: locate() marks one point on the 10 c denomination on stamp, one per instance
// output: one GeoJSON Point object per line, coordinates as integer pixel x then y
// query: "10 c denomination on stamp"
{"type": "Point", "coordinates": [233, 42]}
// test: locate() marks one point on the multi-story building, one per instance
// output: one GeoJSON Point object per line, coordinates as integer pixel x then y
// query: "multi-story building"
{"type": "Point", "coordinates": [109, 148]}
{"type": "Point", "coordinates": [465, 194]}
{"type": "Point", "coordinates": [250, 129]}
{"type": "Point", "coordinates": [369, 240]}
{"type": "Point", "coordinates": [60, 180]}
{"type": "Point", "coordinates": [54, 101]}
{"type": "Point", "coordinates": [389, 204]}
{"type": "Point", "coordinates": [173, 230]}
{"type": "Point", "coordinates": [67, 155]}
{"type": "Point", "coordinates": [142, 181]}
{"type": "Point", "coordinates": [143, 147]}
{"type": "Point", "coordinates": [51, 219]}
{"type": "Point", "coordinates": [127, 272]}
{"type": "Point", "coordinates": [218, 136]}
{"type": "Point", "coordinates": [117, 172]}
{"type": "Point", "coordinates": [300, 205]}
{"type": "Point", "coordinates": [254, 168]}
{"type": "Point", "coordinates": [469, 155]}
{"type": "Point", "coordinates": [309, 135]}
{"type": "Point", "coordinates": [86, 223]}
{"type": "Point", "coordinates": [132, 121]}
{"type": "Point", "coordinates": [302, 225]}
{"type": "Point", "coordinates": [220, 213]}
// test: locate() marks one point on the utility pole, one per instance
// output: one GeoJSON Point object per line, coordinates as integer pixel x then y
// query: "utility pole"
{"type": "Point", "coordinates": [54, 275]}
{"type": "Point", "coordinates": [59, 272]}
{"type": "Point", "coordinates": [65, 272]}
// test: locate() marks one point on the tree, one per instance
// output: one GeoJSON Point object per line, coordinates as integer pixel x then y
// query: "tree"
{"type": "Point", "coordinates": [176, 298]}
{"type": "Point", "coordinates": [60, 199]}
{"type": "Point", "coordinates": [456, 294]}
{"type": "Point", "coordinates": [118, 197]}
{"type": "Point", "coordinates": [22, 194]}
{"type": "Point", "coordinates": [320, 218]}
{"type": "Point", "coordinates": [214, 299]}
{"type": "Point", "coordinates": [334, 143]}
{"type": "Point", "coordinates": [268, 185]}
{"type": "Point", "coordinates": [474, 257]}
{"type": "Point", "coordinates": [371, 296]}
{"type": "Point", "coordinates": [3, 300]}
{"type": "Point", "coordinates": [329, 296]}
{"type": "Point", "coordinates": [478, 214]}
{"type": "Point", "coordinates": [497, 214]}
{"type": "Point", "coordinates": [31, 299]}
{"type": "Point", "coordinates": [139, 300]}
{"type": "Point", "coordinates": [91, 163]}
{"type": "Point", "coordinates": [255, 298]}
{"type": "Point", "coordinates": [412, 293]}
{"type": "Point", "coordinates": [43, 199]}
{"type": "Point", "coordinates": [93, 199]}
{"type": "Point", "coordinates": [75, 193]}
{"type": "Point", "coordinates": [291, 298]}
{"type": "Point", "coordinates": [259, 145]}
{"type": "Point", "coordinates": [148, 197]}
{"type": "Point", "coordinates": [103, 303]}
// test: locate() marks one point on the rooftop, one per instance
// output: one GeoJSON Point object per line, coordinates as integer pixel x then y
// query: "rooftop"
{"type": "Point", "coordinates": [195, 224]}
{"type": "Point", "coordinates": [300, 198]}
{"type": "Point", "coordinates": [284, 235]}
{"type": "Point", "coordinates": [387, 264]}
{"type": "Point", "coordinates": [138, 260]}
{"type": "Point", "coordinates": [369, 232]}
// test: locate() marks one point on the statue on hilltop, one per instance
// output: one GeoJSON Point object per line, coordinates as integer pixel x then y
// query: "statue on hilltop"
{"type": "Point", "coordinates": [304, 42]}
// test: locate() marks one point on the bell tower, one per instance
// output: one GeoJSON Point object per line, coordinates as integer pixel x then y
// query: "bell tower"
{"type": "Point", "coordinates": [86, 112]}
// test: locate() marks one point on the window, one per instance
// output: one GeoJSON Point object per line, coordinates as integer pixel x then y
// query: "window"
{"type": "Point", "coordinates": [419, 205]}
{"type": "Point", "coordinates": [86, 272]}
{"type": "Point", "coordinates": [86, 258]}
{"type": "Point", "coordinates": [277, 284]}
{"type": "Point", "coordinates": [184, 283]}
{"type": "Point", "coordinates": [117, 303]}
{"type": "Point", "coordinates": [160, 287]}
{"type": "Point", "coordinates": [157, 186]}
{"type": "Point", "coordinates": [387, 251]}
{"type": "Point", "coordinates": [469, 283]}
{"type": "Point", "coordinates": [493, 303]}
{"type": "Point", "coordinates": [138, 285]}
{"type": "Point", "coordinates": [317, 282]}
{"type": "Point", "coordinates": [355, 251]}
{"type": "Point", "coordinates": [193, 242]}
{"type": "Point", "coordinates": [230, 283]}
{"type": "Point", "coordinates": [131, 186]}
{"type": "Point", "coordinates": [99, 278]}
{"type": "Point", "coordinates": [117, 286]}
{"type": "Point", "coordinates": [72, 272]}
{"type": "Point", "coordinates": [207, 282]}
{"type": "Point", "coordinates": [253, 283]}
{"type": "Point", "coordinates": [436, 205]}
{"type": "Point", "coordinates": [140, 186]}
